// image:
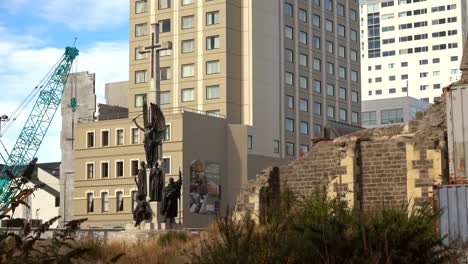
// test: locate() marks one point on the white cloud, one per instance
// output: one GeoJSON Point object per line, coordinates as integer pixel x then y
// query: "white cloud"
{"type": "Point", "coordinates": [23, 64]}
{"type": "Point", "coordinates": [83, 15]}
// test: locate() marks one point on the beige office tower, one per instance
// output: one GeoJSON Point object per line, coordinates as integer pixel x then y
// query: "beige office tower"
{"type": "Point", "coordinates": [246, 85]}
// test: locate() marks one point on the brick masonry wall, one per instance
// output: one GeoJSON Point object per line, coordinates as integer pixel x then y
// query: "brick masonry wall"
{"type": "Point", "coordinates": [313, 171]}
{"type": "Point", "coordinates": [383, 173]}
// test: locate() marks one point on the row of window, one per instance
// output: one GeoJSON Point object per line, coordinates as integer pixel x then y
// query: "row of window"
{"type": "Point", "coordinates": [187, 71]}
{"type": "Point", "coordinates": [405, 76]}
{"type": "Point", "coordinates": [187, 22]}
{"type": "Point", "coordinates": [422, 87]}
{"type": "Point", "coordinates": [119, 169]}
{"type": "Point", "coordinates": [304, 126]}
{"type": "Point", "coordinates": [304, 81]}
{"type": "Point", "coordinates": [119, 137]}
{"type": "Point", "coordinates": [187, 46]}
{"type": "Point", "coordinates": [304, 103]}
{"type": "Point", "coordinates": [405, 63]}
{"type": "Point", "coordinates": [420, 49]}
{"type": "Point", "coordinates": [329, 27]}
{"type": "Point", "coordinates": [391, 116]}
{"type": "Point", "coordinates": [303, 16]}
{"type": "Point", "coordinates": [330, 48]}
{"type": "Point", "coordinates": [119, 201]}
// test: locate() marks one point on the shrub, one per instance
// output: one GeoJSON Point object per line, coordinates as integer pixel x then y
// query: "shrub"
{"type": "Point", "coordinates": [171, 236]}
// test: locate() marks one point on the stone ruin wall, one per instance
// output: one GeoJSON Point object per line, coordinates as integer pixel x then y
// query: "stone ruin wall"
{"type": "Point", "coordinates": [388, 166]}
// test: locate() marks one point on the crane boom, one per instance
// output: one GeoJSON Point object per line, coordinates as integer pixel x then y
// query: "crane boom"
{"type": "Point", "coordinates": [38, 122]}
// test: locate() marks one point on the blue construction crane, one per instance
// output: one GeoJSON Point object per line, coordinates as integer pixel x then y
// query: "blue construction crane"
{"type": "Point", "coordinates": [24, 151]}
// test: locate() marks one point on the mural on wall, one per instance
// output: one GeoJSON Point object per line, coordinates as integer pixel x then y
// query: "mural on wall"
{"type": "Point", "coordinates": [205, 190]}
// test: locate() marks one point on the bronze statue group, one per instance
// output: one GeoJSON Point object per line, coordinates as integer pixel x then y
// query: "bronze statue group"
{"type": "Point", "coordinates": [154, 130]}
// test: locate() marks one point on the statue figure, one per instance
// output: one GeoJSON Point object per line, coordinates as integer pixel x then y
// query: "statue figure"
{"type": "Point", "coordinates": [140, 180]}
{"type": "Point", "coordinates": [170, 200]}
{"type": "Point", "coordinates": [154, 131]}
{"type": "Point", "coordinates": [142, 210]}
{"type": "Point", "coordinates": [156, 183]}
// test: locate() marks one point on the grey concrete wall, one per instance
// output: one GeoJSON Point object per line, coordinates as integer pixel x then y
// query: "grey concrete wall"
{"type": "Point", "coordinates": [205, 139]}
{"type": "Point", "coordinates": [82, 87]}
{"type": "Point", "coordinates": [117, 94]}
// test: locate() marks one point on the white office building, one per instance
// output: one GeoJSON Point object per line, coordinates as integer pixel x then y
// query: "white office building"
{"type": "Point", "coordinates": [411, 47]}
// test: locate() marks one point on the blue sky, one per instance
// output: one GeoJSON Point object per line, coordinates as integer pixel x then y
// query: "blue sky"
{"type": "Point", "coordinates": [33, 35]}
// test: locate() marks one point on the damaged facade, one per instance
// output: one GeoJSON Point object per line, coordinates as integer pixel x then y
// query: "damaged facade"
{"type": "Point", "coordinates": [390, 166]}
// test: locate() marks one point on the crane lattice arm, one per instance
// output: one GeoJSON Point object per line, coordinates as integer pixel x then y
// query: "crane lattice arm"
{"type": "Point", "coordinates": [38, 122]}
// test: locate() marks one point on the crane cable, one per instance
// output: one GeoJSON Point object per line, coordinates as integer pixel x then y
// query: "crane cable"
{"type": "Point", "coordinates": [14, 116]}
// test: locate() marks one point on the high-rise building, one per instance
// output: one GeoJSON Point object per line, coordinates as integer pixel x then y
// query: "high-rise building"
{"type": "Point", "coordinates": [262, 76]}
{"type": "Point", "coordinates": [411, 47]}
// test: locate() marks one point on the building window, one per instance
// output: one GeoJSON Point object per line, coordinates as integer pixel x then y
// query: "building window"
{"type": "Point", "coordinates": [316, 42]}
{"type": "Point", "coordinates": [330, 68]}
{"type": "Point", "coordinates": [353, 14]}
{"type": "Point", "coordinates": [165, 73]}
{"type": "Point", "coordinates": [188, 95]}
{"type": "Point", "coordinates": [167, 165]}
{"type": "Point", "coordinates": [354, 76]}
{"type": "Point", "coordinates": [304, 149]}
{"type": "Point", "coordinates": [330, 47]}
{"type": "Point", "coordinates": [289, 32]}
{"type": "Point", "coordinates": [140, 56]}
{"type": "Point", "coordinates": [188, 45]}
{"type": "Point", "coordinates": [369, 118]}
{"type": "Point", "coordinates": [120, 201]}
{"type": "Point", "coordinates": [317, 108]}
{"type": "Point", "coordinates": [187, 2]}
{"type": "Point", "coordinates": [330, 111]}
{"type": "Point", "coordinates": [134, 167]}
{"type": "Point", "coordinates": [303, 82]}
{"type": "Point", "coordinates": [342, 72]}
{"type": "Point", "coordinates": [165, 26]}
{"type": "Point", "coordinates": [249, 142]}
{"type": "Point", "coordinates": [164, 4]}
{"type": "Point", "coordinates": [290, 101]}
{"type": "Point", "coordinates": [188, 70]}
{"type": "Point", "coordinates": [212, 18]}
{"type": "Point", "coordinates": [289, 55]}
{"type": "Point", "coordinates": [135, 136]}
{"type": "Point", "coordinates": [341, 31]}
{"type": "Point", "coordinates": [276, 146]}
{"type": "Point", "coordinates": [212, 42]}
{"type": "Point", "coordinates": [354, 96]}
{"type": "Point", "coordinates": [316, 20]}
{"type": "Point", "coordinates": [140, 99]}
{"type": "Point", "coordinates": [343, 115]}
{"type": "Point", "coordinates": [90, 171]}
{"type": "Point", "coordinates": [141, 7]}
{"type": "Point", "coordinates": [342, 94]}
{"type": "Point", "coordinates": [288, 10]}
{"type": "Point", "coordinates": [436, 86]}
{"type": "Point", "coordinates": [353, 35]}
{"type": "Point", "coordinates": [167, 133]}
{"type": "Point", "coordinates": [330, 90]}
{"type": "Point", "coordinates": [340, 10]}
{"type": "Point", "coordinates": [342, 51]}
{"type": "Point", "coordinates": [328, 25]}
{"type": "Point", "coordinates": [140, 76]}
{"type": "Point", "coordinates": [289, 125]}
{"type": "Point", "coordinates": [141, 30]}
{"type": "Point", "coordinates": [105, 202]}
{"type": "Point", "coordinates": [90, 139]}
{"type": "Point", "coordinates": [392, 116]}
{"type": "Point", "coordinates": [212, 92]}
{"type": "Point", "coordinates": [213, 113]}
{"type": "Point", "coordinates": [318, 130]}
{"type": "Point", "coordinates": [119, 168]}
{"type": "Point", "coordinates": [289, 78]}
{"type": "Point", "coordinates": [105, 170]}
{"type": "Point", "coordinates": [105, 138]}
{"type": "Point", "coordinates": [317, 86]}
{"type": "Point", "coordinates": [303, 37]}
{"type": "Point", "coordinates": [304, 128]}
{"type": "Point", "coordinates": [119, 137]}
{"type": "Point", "coordinates": [212, 67]}
{"type": "Point", "coordinates": [317, 64]}
{"type": "Point", "coordinates": [289, 149]}
{"type": "Point", "coordinates": [90, 202]}
{"type": "Point", "coordinates": [303, 60]}
{"type": "Point", "coordinates": [165, 97]}
{"type": "Point", "coordinates": [303, 105]}
{"type": "Point", "coordinates": [302, 15]}
{"type": "Point", "coordinates": [355, 117]}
